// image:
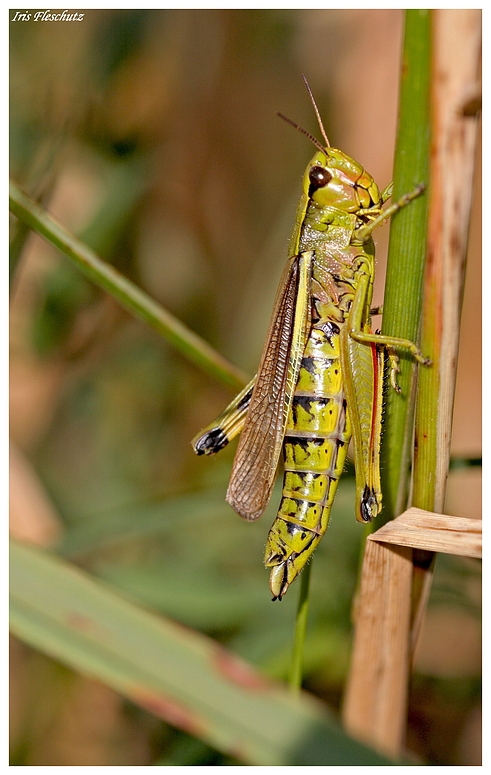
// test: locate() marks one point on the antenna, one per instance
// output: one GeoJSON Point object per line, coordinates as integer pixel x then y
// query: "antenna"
{"type": "Point", "coordinates": [303, 131]}
{"type": "Point", "coordinates": [319, 120]}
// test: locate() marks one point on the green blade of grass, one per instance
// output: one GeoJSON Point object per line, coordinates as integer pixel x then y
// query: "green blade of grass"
{"type": "Point", "coordinates": [296, 668]}
{"type": "Point", "coordinates": [453, 116]}
{"type": "Point", "coordinates": [175, 673]}
{"type": "Point", "coordinates": [124, 291]}
{"type": "Point", "coordinates": [16, 247]}
{"type": "Point", "coordinates": [407, 250]}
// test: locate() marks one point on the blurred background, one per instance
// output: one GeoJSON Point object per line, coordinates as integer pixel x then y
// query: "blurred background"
{"type": "Point", "coordinates": [152, 135]}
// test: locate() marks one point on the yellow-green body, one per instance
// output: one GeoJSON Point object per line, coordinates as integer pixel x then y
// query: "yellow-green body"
{"type": "Point", "coordinates": [319, 381]}
{"type": "Point", "coordinates": [318, 428]}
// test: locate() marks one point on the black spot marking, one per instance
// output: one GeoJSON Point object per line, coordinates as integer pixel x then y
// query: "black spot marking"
{"type": "Point", "coordinates": [305, 402]}
{"type": "Point", "coordinates": [315, 314]}
{"type": "Point", "coordinates": [304, 442]}
{"type": "Point", "coordinates": [284, 584]}
{"type": "Point", "coordinates": [308, 544]}
{"type": "Point", "coordinates": [368, 500]}
{"type": "Point", "coordinates": [291, 526]}
{"type": "Point", "coordinates": [309, 405]}
{"type": "Point", "coordinates": [211, 442]}
{"type": "Point", "coordinates": [245, 400]}
{"type": "Point", "coordinates": [309, 365]}
{"type": "Point", "coordinates": [330, 329]}
{"type": "Point", "coordinates": [275, 559]}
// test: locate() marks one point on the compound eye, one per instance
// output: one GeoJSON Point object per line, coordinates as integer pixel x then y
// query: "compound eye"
{"type": "Point", "coordinates": [318, 177]}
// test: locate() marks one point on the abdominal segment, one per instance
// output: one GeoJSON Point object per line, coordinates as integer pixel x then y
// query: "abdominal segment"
{"type": "Point", "coordinates": [316, 441]}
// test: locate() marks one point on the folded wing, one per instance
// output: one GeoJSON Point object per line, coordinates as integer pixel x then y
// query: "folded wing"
{"type": "Point", "coordinates": [256, 459]}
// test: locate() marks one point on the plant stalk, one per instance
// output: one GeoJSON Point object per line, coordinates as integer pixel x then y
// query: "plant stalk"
{"type": "Point", "coordinates": [300, 630]}
{"type": "Point", "coordinates": [407, 250]}
{"type": "Point", "coordinates": [124, 291]}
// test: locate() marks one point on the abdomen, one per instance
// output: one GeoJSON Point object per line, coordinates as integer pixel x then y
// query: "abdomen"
{"type": "Point", "coordinates": [316, 441]}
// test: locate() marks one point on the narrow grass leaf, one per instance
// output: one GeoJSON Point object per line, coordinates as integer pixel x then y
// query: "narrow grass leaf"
{"type": "Point", "coordinates": [179, 675]}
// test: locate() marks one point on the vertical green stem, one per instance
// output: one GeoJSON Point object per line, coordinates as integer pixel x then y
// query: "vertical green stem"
{"type": "Point", "coordinates": [300, 630]}
{"type": "Point", "coordinates": [453, 156]}
{"type": "Point", "coordinates": [407, 248]}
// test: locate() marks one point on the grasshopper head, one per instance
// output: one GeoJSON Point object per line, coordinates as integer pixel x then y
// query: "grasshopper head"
{"type": "Point", "coordinates": [334, 179]}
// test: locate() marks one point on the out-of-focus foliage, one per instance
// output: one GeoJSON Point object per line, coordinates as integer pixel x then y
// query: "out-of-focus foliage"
{"type": "Point", "coordinates": [175, 672]}
{"type": "Point", "coordinates": [152, 135]}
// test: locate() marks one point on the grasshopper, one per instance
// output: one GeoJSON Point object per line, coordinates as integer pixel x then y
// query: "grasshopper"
{"type": "Point", "coordinates": [320, 378]}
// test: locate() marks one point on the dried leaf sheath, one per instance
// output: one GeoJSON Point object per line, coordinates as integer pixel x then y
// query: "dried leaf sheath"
{"type": "Point", "coordinates": [258, 452]}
